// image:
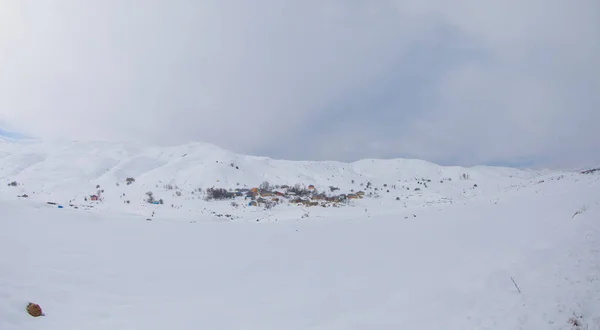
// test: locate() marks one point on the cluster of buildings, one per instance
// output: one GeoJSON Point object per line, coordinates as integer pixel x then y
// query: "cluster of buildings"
{"type": "Point", "coordinates": [258, 197]}
{"type": "Point", "coordinates": [269, 197]}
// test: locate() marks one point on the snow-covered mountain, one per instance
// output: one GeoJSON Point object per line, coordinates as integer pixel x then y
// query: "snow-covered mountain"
{"type": "Point", "coordinates": [428, 247]}
{"type": "Point", "coordinates": [69, 173]}
{"type": "Point", "coordinates": [198, 163]}
{"type": "Point", "coordinates": [203, 164]}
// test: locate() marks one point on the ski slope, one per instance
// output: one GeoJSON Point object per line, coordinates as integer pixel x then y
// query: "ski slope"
{"type": "Point", "coordinates": [444, 257]}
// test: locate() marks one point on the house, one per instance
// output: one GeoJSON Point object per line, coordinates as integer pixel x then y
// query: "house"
{"type": "Point", "coordinates": [280, 194]}
{"type": "Point", "coordinates": [353, 196]}
{"type": "Point", "coordinates": [266, 194]}
{"type": "Point", "coordinates": [254, 190]}
{"type": "Point", "coordinates": [94, 197]}
{"type": "Point", "coordinates": [311, 187]}
{"type": "Point", "coordinates": [252, 203]}
{"type": "Point", "coordinates": [261, 201]}
{"type": "Point", "coordinates": [360, 193]}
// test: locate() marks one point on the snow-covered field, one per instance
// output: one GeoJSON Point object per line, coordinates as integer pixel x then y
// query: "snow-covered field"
{"type": "Point", "coordinates": [444, 257]}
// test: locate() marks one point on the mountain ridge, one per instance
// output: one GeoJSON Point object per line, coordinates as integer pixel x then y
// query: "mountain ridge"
{"type": "Point", "coordinates": [71, 173]}
{"type": "Point", "coordinates": [135, 161]}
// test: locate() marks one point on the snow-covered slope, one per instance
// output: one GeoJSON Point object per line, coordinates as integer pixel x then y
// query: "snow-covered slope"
{"type": "Point", "coordinates": [70, 172]}
{"type": "Point", "coordinates": [199, 164]}
{"type": "Point", "coordinates": [428, 247]}
{"type": "Point", "coordinates": [448, 268]}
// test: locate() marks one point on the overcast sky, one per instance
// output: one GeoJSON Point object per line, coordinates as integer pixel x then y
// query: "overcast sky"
{"type": "Point", "coordinates": [512, 82]}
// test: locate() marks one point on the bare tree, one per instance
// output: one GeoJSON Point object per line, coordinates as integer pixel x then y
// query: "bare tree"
{"type": "Point", "coordinates": [150, 198]}
{"type": "Point", "coordinates": [265, 186]}
{"type": "Point", "coordinates": [299, 190]}
{"type": "Point", "coordinates": [217, 193]}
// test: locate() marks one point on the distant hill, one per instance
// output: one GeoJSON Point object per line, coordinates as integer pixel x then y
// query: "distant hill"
{"type": "Point", "coordinates": [72, 171]}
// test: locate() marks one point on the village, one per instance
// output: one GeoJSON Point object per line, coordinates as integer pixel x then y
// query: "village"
{"type": "Point", "coordinates": [268, 196]}
{"type": "Point", "coordinates": [264, 196]}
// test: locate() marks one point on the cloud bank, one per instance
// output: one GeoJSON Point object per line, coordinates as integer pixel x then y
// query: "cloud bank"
{"type": "Point", "coordinates": [455, 82]}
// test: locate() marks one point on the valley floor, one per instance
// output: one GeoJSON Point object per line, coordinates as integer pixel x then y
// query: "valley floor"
{"type": "Point", "coordinates": [448, 268]}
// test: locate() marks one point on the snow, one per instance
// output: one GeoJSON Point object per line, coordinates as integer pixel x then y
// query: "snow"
{"type": "Point", "coordinates": [67, 173]}
{"type": "Point", "coordinates": [441, 258]}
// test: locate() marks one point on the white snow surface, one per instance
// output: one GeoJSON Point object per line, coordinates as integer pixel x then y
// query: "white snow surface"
{"type": "Point", "coordinates": [444, 257]}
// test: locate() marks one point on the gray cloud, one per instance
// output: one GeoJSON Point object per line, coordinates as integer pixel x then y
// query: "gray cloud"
{"type": "Point", "coordinates": [460, 82]}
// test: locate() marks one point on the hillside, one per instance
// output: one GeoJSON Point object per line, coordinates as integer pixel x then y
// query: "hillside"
{"type": "Point", "coordinates": [449, 268]}
{"type": "Point", "coordinates": [425, 247]}
{"type": "Point", "coordinates": [70, 174]}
